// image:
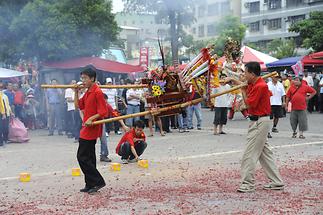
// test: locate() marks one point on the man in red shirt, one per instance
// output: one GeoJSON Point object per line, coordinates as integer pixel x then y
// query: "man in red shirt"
{"type": "Point", "coordinates": [19, 100]}
{"type": "Point", "coordinates": [94, 107]}
{"type": "Point", "coordinates": [257, 99]}
{"type": "Point", "coordinates": [298, 94]}
{"type": "Point", "coordinates": [132, 144]}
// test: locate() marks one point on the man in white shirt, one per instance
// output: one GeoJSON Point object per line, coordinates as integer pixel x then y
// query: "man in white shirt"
{"type": "Point", "coordinates": [112, 100]}
{"type": "Point", "coordinates": [308, 79]}
{"type": "Point", "coordinates": [133, 100]}
{"type": "Point", "coordinates": [321, 94]}
{"type": "Point", "coordinates": [277, 101]}
{"type": "Point", "coordinates": [71, 124]}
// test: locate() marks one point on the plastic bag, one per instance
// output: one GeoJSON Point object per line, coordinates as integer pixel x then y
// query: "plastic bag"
{"type": "Point", "coordinates": [17, 131]}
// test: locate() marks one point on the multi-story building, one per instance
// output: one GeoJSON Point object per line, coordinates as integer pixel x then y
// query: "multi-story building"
{"type": "Point", "coordinates": [270, 19]}
{"type": "Point", "coordinates": [208, 13]}
{"type": "Point", "coordinates": [141, 30]}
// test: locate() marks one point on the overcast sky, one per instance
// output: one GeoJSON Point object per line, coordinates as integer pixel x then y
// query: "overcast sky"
{"type": "Point", "coordinates": [117, 6]}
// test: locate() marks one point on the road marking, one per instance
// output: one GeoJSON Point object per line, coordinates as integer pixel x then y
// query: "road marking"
{"type": "Point", "coordinates": [239, 151]}
{"type": "Point", "coordinates": [178, 158]}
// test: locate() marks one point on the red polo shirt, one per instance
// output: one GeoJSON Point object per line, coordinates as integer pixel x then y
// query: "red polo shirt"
{"type": "Point", "coordinates": [128, 137]}
{"type": "Point", "coordinates": [19, 98]}
{"type": "Point", "coordinates": [298, 98]}
{"type": "Point", "coordinates": [258, 98]}
{"type": "Point", "coordinates": [92, 103]}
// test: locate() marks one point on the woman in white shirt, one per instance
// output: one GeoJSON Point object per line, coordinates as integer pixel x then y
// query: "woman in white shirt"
{"type": "Point", "coordinates": [221, 105]}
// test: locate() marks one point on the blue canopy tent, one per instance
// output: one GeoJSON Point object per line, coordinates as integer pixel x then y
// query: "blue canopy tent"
{"type": "Point", "coordinates": [285, 62]}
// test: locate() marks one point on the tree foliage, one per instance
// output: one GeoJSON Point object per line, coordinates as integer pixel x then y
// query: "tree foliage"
{"type": "Point", "coordinates": [278, 48]}
{"type": "Point", "coordinates": [176, 13]}
{"type": "Point", "coordinates": [54, 30]}
{"type": "Point", "coordinates": [9, 9]}
{"type": "Point", "coordinates": [228, 26]}
{"type": "Point", "coordinates": [282, 48]}
{"type": "Point", "coordinates": [310, 30]}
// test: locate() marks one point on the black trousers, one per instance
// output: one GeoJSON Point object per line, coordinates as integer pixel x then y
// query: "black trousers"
{"type": "Point", "coordinates": [125, 150]}
{"type": "Point", "coordinates": [4, 129]}
{"type": "Point", "coordinates": [321, 102]}
{"type": "Point", "coordinates": [87, 160]}
{"type": "Point", "coordinates": [18, 112]}
{"type": "Point", "coordinates": [112, 125]}
{"type": "Point", "coordinates": [165, 123]}
{"type": "Point", "coordinates": [313, 103]}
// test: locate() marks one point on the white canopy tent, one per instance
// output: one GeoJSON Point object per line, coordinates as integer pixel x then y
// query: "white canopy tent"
{"type": "Point", "coordinates": [8, 73]}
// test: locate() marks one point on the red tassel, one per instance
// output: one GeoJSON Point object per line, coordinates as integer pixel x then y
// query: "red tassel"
{"type": "Point", "coordinates": [206, 54]}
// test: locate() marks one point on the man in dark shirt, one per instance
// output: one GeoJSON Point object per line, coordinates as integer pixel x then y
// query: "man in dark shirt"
{"type": "Point", "coordinates": [94, 107]}
{"type": "Point", "coordinates": [257, 99]}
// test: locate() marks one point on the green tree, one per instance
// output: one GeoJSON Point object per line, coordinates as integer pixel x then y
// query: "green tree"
{"type": "Point", "coordinates": [310, 30]}
{"type": "Point", "coordinates": [54, 30]}
{"type": "Point", "coordinates": [176, 13]}
{"type": "Point", "coordinates": [282, 48]}
{"type": "Point", "coordinates": [228, 26]}
{"type": "Point", "coordinates": [8, 10]}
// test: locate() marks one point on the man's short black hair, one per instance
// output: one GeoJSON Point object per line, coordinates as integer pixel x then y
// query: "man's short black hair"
{"type": "Point", "coordinates": [89, 71]}
{"type": "Point", "coordinates": [139, 124]}
{"type": "Point", "coordinates": [253, 67]}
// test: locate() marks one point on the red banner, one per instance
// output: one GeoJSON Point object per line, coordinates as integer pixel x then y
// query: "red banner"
{"type": "Point", "coordinates": [144, 57]}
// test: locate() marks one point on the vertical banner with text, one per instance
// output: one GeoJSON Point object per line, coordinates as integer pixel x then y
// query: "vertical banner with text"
{"type": "Point", "coordinates": [144, 57]}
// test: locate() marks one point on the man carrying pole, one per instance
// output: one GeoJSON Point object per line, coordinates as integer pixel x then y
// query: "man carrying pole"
{"type": "Point", "coordinates": [94, 107]}
{"type": "Point", "coordinates": [257, 98]}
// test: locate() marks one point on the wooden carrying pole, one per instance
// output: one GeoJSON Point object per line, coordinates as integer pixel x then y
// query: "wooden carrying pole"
{"type": "Point", "coordinates": [101, 86]}
{"type": "Point", "coordinates": [182, 105]}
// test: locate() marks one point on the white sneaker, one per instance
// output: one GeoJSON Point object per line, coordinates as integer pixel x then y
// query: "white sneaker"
{"type": "Point", "coordinates": [119, 132]}
{"type": "Point", "coordinates": [106, 134]}
{"type": "Point", "coordinates": [124, 161]}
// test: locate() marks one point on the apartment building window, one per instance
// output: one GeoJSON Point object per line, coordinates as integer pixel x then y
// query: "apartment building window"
{"type": "Point", "coordinates": [194, 30]}
{"type": "Point", "coordinates": [254, 7]}
{"type": "Point", "coordinates": [201, 31]}
{"type": "Point", "coordinates": [225, 7]}
{"type": "Point", "coordinates": [294, 3]}
{"type": "Point", "coordinates": [294, 19]}
{"type": "Point", "coordinates": [211, 30]}
{"type": "Point", "coordinates": [254, 26]}
{"type": "Point", "coordinates": [274, 24]}
{"type": "Point", "coordinates": [274, 4]}
{"type": "Point", "coordinates": [201, 11]}
{"type": "Point", "coordinates": [213, 9]}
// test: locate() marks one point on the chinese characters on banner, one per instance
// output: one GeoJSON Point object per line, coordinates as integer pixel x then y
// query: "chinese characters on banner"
{"type": "Point", "coordinates": [298, 68]}
{"type": "Point", "coordinates": [143, 59]}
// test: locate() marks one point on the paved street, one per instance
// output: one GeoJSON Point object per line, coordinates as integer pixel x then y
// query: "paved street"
{"type": "Point", "coordinates": [189, 173]}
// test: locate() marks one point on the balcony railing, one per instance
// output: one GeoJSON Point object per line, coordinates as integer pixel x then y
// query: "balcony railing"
{"type": "Point", "coordinates": [282, 9]}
